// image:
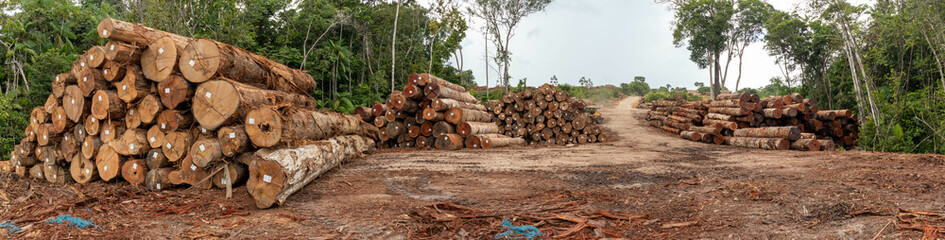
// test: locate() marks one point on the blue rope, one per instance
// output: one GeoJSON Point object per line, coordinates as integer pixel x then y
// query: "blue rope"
{"type": "Point", "coordinates": [512, 232]}
{"type": "Point", "coordinates": [10, 227]}
{"type": "Point", "coordinates": [73, 221]}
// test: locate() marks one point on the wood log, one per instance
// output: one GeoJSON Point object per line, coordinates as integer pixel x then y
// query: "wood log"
{"type": "Point", "coordinates": [220, 101]}
{"type": "Point", "coordinates": [159, 178]}
{"type": "Point", "coordinates": [113, 71]}
{"type": "Point", "coordinates": [431, 114]}
{"type": "Point", "coordinates": [159, 59]}
{"type": "Point", "coordinates": [172, 120]}
{"type": "Point", "coordinates": [426, 129]}
{"type": "Point", "coordinates": [68, 146]}
{"type": "Point", "coordinates": [425, 79]}
{"type": "Point", "coordinates": [134, 171]}
{"type": "Point", "coordinates": [192, 174]}
{"type": "Point", "coordinates": [761, 143]}
{"type": "Point", "coordinates": [275, 175]}
{"type": "Point", "coordinates": [491, 141]}
{"type": "Point", "coordinates": [473, 142]}
{"type": "Point", "coordinates": [267, 127]}
{"type": "Point", "coordinates": [73, 102]}
{"type": "Point", "coordinates": [205, 59]}
{"type": "Point", "coordinates": [107, 105]}
{"type": "Point", "coordinates": [47, 136]}
{"type": "Point", "coordinates": [792, 133]}
{"type": "Point", "coordinates": [690, 135]}
{"type": "Point", "coordinates": [132, 120]}
{"type": "Point", "coordinates": [839, 113]}
{"type": "Point", "coordinates": [133, 85]}
{"type": "Point", "coordinates": [133, 142]}
{"type": "Point", "coordinates": [134, 33]}
{"type": "Point", "coordinates": [155, 137]}
{"type": "Point", "coordinates": [90, 80]}
{"type": "Point", "coordinates": [435, 91]}
{"type": "Point", "coordinates": [379, 109]}
{"type": "Point", "coordinates": [740, 96]}
{"type": "Point", "coordinates": [123, 53]}
{"type": "Point", "coordinates": [95, 56]}
{"type": "Point", "coordinates": [444, 104]}
{"type": "Point", "coordinates": [52, 102]}
{"type": "Point", "coordinates": [148, 109]}
{"type": "Point", "coordinates": [364, 113]}
{"type": "Point", "coordinates": [449, 141]}
{"type": "Point", "coordinates": [111, 131]}
{"type": "Point", "coordinates": [36, 172]}
{"type": "Point", "coordinates": [772, 113]}
{"type": "Point", "coordinates": [83, 170]}
{"type": "Point", "coordinates": [412, 91]}
{"type": "Point", "coordinates": [233, 140]}
{"type": "Point", "coordinates": [60, 82]}
{"type": "Point", "coordinates": [174, 178]}
{"type": "Point", "coordinates": [729, 103]}
{"type": "Point", "coordinates": [174, 91]}
{"type": "Point", "coordinates": [176, 145]}
{"type": "Point", "coordinates": [56, 174]}
{"type": "Point", "coordinates": [458, 115]}
{"type": "Point", "coordinates": [827, 144]}
{"type": "Point", "coordinates": [731, 111]}
{"type": "Point", "coordinates": [60, 121]}
{"type": "Point", "coordinates": [232, 174]}
{"type": "Point", "coordinates": [465, 129]}
{"type": "Point", "coordinates": [380, 121]}
{"type": "Point", "coordinates": [713, 129]}
{"type": "Point", "coordinates": [440, 128]}
{"type": "Point", "coordinates": [156, 159]}
{"type": "Point", "coordinates": [725, 124]}
{"type": "Point", "coordinates": [825, 115]}
{"type": "Point", "coordinates": [395, 129]}
{"type": "Point", "coordinates": [402, 103]}
{"type": "Point", "coordinates": [108, 163]}
{"type": "Point", "coordinates": [806, 145]}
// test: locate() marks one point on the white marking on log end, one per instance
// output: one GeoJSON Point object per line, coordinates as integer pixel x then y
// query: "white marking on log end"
{"type": "Point", "coordinates": [105, 33]}
{"type": "Point", "coordinates": [267, 178]}
{"type": "Point", "coordinates": [192, 63]}
{"type": "Point", "coordinates": [208, 95]}
{"type": "Point", "coordinates": [154, 155]}
{"type": "Point", "coordinates": [106, 168]}
{"type": "Point", "coordinates": [232, 135]}
{"type": "Point", "coordinates": [160, 50]}
{"type": "Point", "coordinates": [134, 166]}
{"type": "Point", "coordinates": [106, 71]}
{"type": "Point", "coordinates": [85, 79]}
{"type": "Point", "coordinates": [167, 90]}
{"type": "Point", "coordinates": [168, 146]}
{"type": "Point", "coordinates": [202, 148]}
{"type": "Point", "coordinates": [113, 45]}
{"type": "Point", "coordinates": [152, 139]}
{"type": "Point", "coordinates": [163, 125]}
{"type": "Point", "coordinates": [107, 132]}
{"type": "Point", "coordinates": [252, 121]}
{"type": "Point", "coordinates": [193, 167]}
{"type": "Point", "coordinates": [158, 186]}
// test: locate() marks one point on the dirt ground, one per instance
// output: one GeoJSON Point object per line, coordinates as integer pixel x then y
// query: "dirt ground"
{"type": "Point", "coordinates": [645, 185]}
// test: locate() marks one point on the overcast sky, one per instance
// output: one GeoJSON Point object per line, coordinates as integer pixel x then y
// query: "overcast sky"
{"type": "Point", "coordinates": [609, 41]}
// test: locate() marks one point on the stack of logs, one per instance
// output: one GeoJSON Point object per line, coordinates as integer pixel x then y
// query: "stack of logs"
{"type": "Point", "coordinates": [742, 119]}
{"type": "Point", "coordinates": [547, 115]}
{"type": "Point", "coordinates": [164, 110]}
{"type": "Point", "coordinates": [433, 113]}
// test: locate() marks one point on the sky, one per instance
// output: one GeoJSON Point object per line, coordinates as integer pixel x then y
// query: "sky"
{"type": "Point", "coordinates": [610, 42]}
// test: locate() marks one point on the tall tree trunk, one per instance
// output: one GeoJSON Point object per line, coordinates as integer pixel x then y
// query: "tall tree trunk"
{"type": "Point", "coordinates": [718, 74]}
{"type": "Point", "coordinates": [856, 80]}
{"type": "Point", "coordinates": [393, 47]}
{"type": "Point", "coordinates": [485, 38]}
{"type": "Point", "coordinates": [712, 93]}
{"type": "Point", "coordinates": [738, 80]}
{"type": "Point", "coordinates": [938, 60]}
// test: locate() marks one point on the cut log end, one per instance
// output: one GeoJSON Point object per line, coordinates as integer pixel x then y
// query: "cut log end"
{"type": "Point", "coordinates": [264, 126]}
{"type": "Point", "coordinates": [266, 181]}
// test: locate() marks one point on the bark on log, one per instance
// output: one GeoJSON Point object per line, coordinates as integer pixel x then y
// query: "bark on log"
{"type": "Point", "coordinates": [434, 91]}
{"type": "Point", "coordinates": [440, 128]}
{"type": "Point", "coordinates": [275, 175]}
{"type": "Point", "coordinates": [761, 143]}
{"type": "Point", "coordinates": [730, 103]}
{"type": "Point", "coordinates": [731, 111]}
{"type": "Point", "coordinates": [458, 115]}
{"type": "Point", "coordinates": [772, 113]}
{"type": "Point", "coordinates": [133, 33]}
{"type": "Point", "coordinates": [690, 135]}
{"type": "Point", "coordinates": [449, 141]}
{"type": "Point", "coordinates": [395, 129]}
{"type": "Point", "coordinates": [806, 145]}
{"type": "Point", "coordinates": [221, 101]}
{"type": "Point", "coordinates": [714, 129]}
{"type": "Point", "coordinates": [792, 133]}
{"type": "Point", "coordinates": [494, 142]}
{"type": "Point", "coordinates": [107, 105]}
{"type": "Point", "coordinates": [364, 113]}
{"type": "Point", "coordinates": [113, 71]}
{"type": "Point", "coordinates": [134, 171]}
{"type": "Point", "coordinates": [827, 145]}
{"type": "Point", "coordinates": [205, 59]}
{"type": "Point", "coordinates": [123, 53]}
{"type": "Point", "coordinates": [426, 79]}
{"type": "Point", "coordinates": [465, 129]}
{"type": "Point", "coordinates": [267, 127]}
{"type": "Point", "coordinates": [740, 96]}
{"type": "Point", "coordinates": [725, 124]}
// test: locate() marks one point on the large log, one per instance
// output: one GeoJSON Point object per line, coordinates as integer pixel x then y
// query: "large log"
{"type": "Point", "coordinates": [159, 178]}
{"type": "Point", "coordinates": [176, 145]}
{"type": "Point", "coordinates": [493, 142]}
{"type": "Point", "coordinates": [425, 79]}
{"type": "Point", "coordinates": [791, 133]}
{"type": "Point", "coordinates": [233, 140]}
{"type": "Point", "coordinates": [134, 33]}
{"type": "Point", "coordinates": [762, 143]}
{"type": "Point", "coordinates": [73, 102]}
{"type": "Point", "coordinates": [107, 105]}
{"type": "Point", "coordinates": [449, 141]}
{"type": "Point", "coordinates": [172, 120]}
{"type": "Point", "coordinates": [159, 60]}
{"type": "Point", "coordinates": [134, 171]}
{"type": "Point", "coordinates": [725, 124]}
{"type": "Point", "coordinates": [772, 113]}
{"type": "Point", "coordinates": [108, 163]}
{"type": "Point", "coordinates": [113, 71]}
{"type": "Point", "coordinates": [731, 111]}
{"type": "Point", "coordinates": [714, 129]}
{"type": "Point", "coordinates": [221, 101]}
{"type": "Point", "coordinates": [91, 79]}
{"type": "Point", "coordinates": [123, 53]}
{"type": "Point", "coordinates": [232, 174]}
{"type": "Point", "coordinates": [205, 59]}
{"type": "Point", "coordinates": [458, 115]}
{"type": "Point", "coordinates": [275, 175]}
{"type": "Point", "coordinates": [133, 86]}
{"type": "Point", "coordinates": [690, 135]}
{"type": "Point", "coordinates": [465, 129]}
{"type": "Point", "coordinates": [133, 142]}
{"type": "Point", "coordinates": [206, 151]}
{"type": "Point", "coordinates": [806, 145]}
{"type": "Point", "coordinates": [174, 91]}
{"type": "Point", "coordinates": [740, 96]}
{"type": "Point", "coordinates": [267, 127]}
{"type": "Point", "coordinates": [83, 170]}
{"type": "Point", "coordinates": [60, 82]}
{"type": "Point", "coordinates": [435, 91]}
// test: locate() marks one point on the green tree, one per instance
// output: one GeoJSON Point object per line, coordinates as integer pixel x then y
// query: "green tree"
{"type": "Point", "coordinates": [702, 26]}
{"type": "Point", "coordinates": [500, 18]}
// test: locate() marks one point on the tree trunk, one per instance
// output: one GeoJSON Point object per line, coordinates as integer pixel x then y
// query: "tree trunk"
{"type": "Point", "coordinates": [434, 91]}
{"type": "Point", "coordinates": [267, 127]}
{"type": "Point", "coordinates": [466, 129]}
{"type": "Point", "coordinates": [60, 121]}
{"type": "Point", "coordinates": [427, 80]}
{"type": "Point", "coordinates": [155, 159]}
{"type": "Point", "coordinates": [133, 142]}
{"type": "Point", "coordinates": [222, 101]}
{"type": "Point", "coordinates": [731, 111]}
{"type": "Point", "coordinates": [495, 141]}
{"type": "Point", "coordinates": [159, 60]}
{"type": "Point", "coordinates": [108, 163]}
{"type": "Point", "coordinates": [393, 47]}
{"type": "Point", "coordinates": [772, 112]}
{"type": "Point", "coordinates": [440, 128]}
{"type": "Point", "coordinates": [233, 140]}
{"type": "Point", "coordinates": [174, 91]}
{"type": "Point", "coordinates": [123, 53]}
{"type": "Point", "coordinates": [176, 145]}
{"type": "Point", "coordinates": [60, 82]}
{"type": "Point", "coordinates": [458, 115]}
{"type": "Point", "coordinates": [107, 105]}
{"type": "Point", "coordinates": [91, 79]}
{"type": "Point", "coordinates": [205, 59]}
{"type": "Point", "coordinates": [690, 135]}
{"type": "Point", "coordinates": [762, 143]}
{"type": "Point", "coordinates": [113, 71]}
{"type": "Point", "coordinates": [275, 175]}
{"type": "Point", "coordinates": [110, 131]}
{"type": "Point", "coordinates": [449, 142]}
{"type": "Point", "coordinates": [134, 33]}
{"type": "Point", "coordinates": [172, 120]}
{"type": "Point", "coordinates": [83, 170]}
{"type": "Point", "coordinates": [791, 133]}
{"type": "Point", "coordinates": [156, 137]}
{"type": "Point", "coordinates": [159, 178]}
{"type": "Point", "coordinates": [806, 145]}
{"type": "Point", "coordinates": [133, 86]}
{"type": "Point", "coordinates": [232, 174]}
{"type": "Point", "coordinates": [444, 104]}
{"type": "Point", "coordinates": [206, 151]}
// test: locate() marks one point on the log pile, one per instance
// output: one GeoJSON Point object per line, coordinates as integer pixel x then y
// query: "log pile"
{"type": "Point", "coordinates": [433, 113]}
{"type": "Point", "coordinates": [161, 110]}
{"type": "Point", "coordinates": [547, 115]}
{"type": "Point", "coordinates": [742, 119]}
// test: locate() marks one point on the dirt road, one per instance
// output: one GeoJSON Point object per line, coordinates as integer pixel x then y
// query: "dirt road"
{"type": "Point", "coordinates": [671, 189]}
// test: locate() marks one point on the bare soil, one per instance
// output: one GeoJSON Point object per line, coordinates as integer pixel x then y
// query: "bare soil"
{"type": "Point", "coordinates": [646, 184]}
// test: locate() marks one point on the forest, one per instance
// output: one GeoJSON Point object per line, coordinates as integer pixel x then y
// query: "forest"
{"type": "Point", "coordinates": [883, 60]}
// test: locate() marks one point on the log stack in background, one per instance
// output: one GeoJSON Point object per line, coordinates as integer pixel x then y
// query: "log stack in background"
{"type": "Point", "coordinates": [162, 110]}
{"type": "Point", "coordinates": [742, 119]}
{"type": "Point", "coordinates": [547, 115]}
